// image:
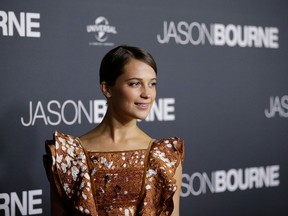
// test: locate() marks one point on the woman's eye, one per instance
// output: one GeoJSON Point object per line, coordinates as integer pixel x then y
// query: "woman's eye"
{"type": "Point", "coordinates": [153, 84]}
{"type": "Point", "coordinates": [134, 84]}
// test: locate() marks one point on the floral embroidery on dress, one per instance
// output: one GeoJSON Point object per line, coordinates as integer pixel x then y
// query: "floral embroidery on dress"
{"type": "Point", "coordinates": [136, 182]}
{"type": "Point", "coordinates": [71, 174]}
{"type": "Point", "coordinates": [165, 156]}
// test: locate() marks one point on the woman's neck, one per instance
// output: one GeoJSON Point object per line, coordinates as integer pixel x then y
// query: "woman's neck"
{"type": "Point", "coordinates": [117, 131]}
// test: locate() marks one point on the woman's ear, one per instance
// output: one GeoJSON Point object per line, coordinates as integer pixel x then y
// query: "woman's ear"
{"type": "Point", "coordinates": [106, 89]}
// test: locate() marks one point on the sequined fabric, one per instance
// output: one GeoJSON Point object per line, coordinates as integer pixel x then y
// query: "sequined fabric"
{"type": "Point", "coordinates": [118, 178]}
{"type": "Point", "coordinates": [135, 182]}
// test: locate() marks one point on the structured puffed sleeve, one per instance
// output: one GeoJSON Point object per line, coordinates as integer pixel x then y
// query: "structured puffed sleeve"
{"type": "Point", "coordinates": [67, 165]}
{"type": "Point", "coordinates": [160, 185]}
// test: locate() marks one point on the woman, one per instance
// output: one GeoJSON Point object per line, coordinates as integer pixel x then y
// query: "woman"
{"type": "Point", "coordinates": [116, 168]}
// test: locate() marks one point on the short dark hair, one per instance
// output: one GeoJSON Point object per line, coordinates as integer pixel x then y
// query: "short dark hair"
{"type": "Point", "coordinates": [114, 61]}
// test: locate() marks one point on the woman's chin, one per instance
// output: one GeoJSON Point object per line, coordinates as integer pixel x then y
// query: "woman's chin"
{"type": "Point", "coordinates": [142, 118]}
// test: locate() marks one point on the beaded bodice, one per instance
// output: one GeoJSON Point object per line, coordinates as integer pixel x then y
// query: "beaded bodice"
{"type": "Point", "coordinates": [118, 180]}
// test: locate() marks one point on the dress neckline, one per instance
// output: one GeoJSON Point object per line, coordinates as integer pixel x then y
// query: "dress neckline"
{"type": "Point", "coordinates": [118, 151]}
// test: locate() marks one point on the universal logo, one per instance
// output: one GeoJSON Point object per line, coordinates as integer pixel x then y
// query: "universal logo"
{"type": "Point", "coordinates": [102, 30]}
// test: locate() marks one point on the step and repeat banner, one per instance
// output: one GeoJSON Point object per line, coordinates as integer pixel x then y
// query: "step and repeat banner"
{"type": "Point", "coordinates": [222, 87]}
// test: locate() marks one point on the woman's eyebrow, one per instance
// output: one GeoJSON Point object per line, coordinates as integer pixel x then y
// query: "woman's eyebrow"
{"type": "Point", "coordinates": [137, 78]}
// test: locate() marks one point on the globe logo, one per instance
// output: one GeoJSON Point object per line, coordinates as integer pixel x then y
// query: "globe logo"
{"type": "Point", "coordinates": [102, 29]}
{"type": "Point", "coordinates": [101, 35]}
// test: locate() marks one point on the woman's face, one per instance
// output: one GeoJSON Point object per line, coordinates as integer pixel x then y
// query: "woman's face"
{"type": "Point", "coordinates": [134, 91]}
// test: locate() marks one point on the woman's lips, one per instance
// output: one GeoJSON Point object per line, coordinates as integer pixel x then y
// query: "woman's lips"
{"type": "Point", "coordinates": [142, 105]}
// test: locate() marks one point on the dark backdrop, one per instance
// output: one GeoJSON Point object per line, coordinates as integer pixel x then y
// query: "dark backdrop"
{"type": "Point", "coordinates": [222, 87]}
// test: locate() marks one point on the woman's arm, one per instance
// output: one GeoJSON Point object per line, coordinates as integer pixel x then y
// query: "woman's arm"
{"type": "Point", "coordinates": [176, 197]}
{"type": "Point", "coordinates": [57, 204]}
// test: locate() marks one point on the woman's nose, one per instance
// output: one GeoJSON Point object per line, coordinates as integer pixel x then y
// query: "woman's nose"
{"type": "Point", "coordinates": [145, 92]}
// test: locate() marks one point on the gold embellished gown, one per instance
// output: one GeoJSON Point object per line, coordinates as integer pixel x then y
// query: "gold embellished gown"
{"type": "Point", "coordinates": [134, 182]}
